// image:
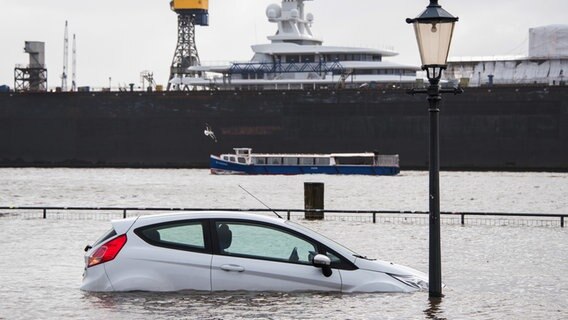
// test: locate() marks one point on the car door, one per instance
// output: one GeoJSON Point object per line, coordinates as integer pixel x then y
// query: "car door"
{"type": "Point", "coordinates": [255, 256]}
{"type": "Point", "coordinates": [166, 257]}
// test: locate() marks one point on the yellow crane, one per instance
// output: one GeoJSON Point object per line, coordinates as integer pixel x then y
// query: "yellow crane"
{"type": "Point", "coordinates": [190, 13]}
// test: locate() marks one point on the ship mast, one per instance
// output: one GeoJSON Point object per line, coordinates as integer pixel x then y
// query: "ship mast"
{"type": "Point", "coordinates": [65, 59]}
{"type": "Point", "coordinates": [74, 65]}
{"type": "Point", "coordinates": [294, 25]}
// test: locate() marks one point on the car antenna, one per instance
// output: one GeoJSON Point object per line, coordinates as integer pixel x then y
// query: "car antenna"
{"type": "Point", "coordinates": [264, 204]}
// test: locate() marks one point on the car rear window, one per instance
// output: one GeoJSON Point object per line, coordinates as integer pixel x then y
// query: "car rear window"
{"type": "Point", "coordinates": [185, 235]}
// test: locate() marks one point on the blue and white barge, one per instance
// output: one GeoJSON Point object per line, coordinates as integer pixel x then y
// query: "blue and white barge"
{"type": "Point", "coordinates": [243, 161]}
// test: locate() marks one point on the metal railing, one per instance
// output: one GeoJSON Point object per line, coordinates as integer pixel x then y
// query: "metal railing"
{"type": "Point", "coordinates": [288, 212]}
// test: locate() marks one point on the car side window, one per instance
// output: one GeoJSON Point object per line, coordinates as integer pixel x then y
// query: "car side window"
{"type": "Point", "coordinates": [261, 241]}
{"type": "Point", "coordinates": [185, 235]}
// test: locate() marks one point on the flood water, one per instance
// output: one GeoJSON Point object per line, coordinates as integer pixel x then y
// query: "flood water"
{"type": "Point", "coordinates": [503, 271]}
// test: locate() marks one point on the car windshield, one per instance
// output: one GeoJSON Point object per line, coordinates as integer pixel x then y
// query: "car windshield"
{"type": "Point", "coordinates": [308, 230]}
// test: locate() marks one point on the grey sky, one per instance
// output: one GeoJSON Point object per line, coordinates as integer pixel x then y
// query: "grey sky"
{"type": "Point", "coordinates": [119, 39]}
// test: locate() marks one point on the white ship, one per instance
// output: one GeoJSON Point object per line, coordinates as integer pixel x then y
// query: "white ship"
{"type": "Point", "coordinates": [296, 59]}
{"type": "Point", "coordinates": [546, 63]}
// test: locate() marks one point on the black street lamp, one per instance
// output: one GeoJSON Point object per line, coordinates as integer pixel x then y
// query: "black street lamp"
{"type": "Point", "coordinates": [434, 29]}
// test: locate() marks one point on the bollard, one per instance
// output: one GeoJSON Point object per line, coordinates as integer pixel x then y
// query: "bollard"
{"type": "Point", "coordinates": [313, 199]}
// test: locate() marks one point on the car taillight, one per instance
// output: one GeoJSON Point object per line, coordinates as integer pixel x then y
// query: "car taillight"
{"type": "Point", "coordinates": [107, 251]}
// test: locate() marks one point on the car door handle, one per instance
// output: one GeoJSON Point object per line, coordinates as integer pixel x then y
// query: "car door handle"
{"type": "Point", "coordinates": [232, 267]}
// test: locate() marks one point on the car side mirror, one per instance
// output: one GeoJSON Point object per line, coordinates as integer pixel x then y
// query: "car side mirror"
{"type": "Point", "coordinates": [324, 262]}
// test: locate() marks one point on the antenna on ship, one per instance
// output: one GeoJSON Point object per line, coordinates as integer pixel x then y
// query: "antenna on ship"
{"type": "Point", "coordinates": [264, 204]}
{"type": "Point", "coordinates": [65, 58]}
{"type": "Point", "coordinates": [190, 14]}
{"type": "Point", "coordinates": [74, 65]}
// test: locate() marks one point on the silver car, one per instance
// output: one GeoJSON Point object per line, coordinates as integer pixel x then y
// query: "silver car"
{"type": "Point", "coordinates": [226, 251]}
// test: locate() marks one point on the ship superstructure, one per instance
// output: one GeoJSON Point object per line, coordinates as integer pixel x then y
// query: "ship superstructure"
{"type": "Point", "coordinates": [296, 59]}
{"type": "Point", "coordinates": [546, 63]}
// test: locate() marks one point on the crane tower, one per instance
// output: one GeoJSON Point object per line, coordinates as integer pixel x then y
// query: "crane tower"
{"type": "Point", "coordinates": [190, 13]}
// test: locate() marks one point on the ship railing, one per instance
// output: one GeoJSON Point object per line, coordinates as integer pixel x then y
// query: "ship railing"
{"type": "Point", "coordinates": [289, 67]}
{"type": "Point", "coordinates": [30, 66]}
{"type": "Point", "coordinates": [374, 216]}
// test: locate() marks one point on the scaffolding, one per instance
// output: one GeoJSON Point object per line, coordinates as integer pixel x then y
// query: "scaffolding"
{"type": "Point", "coordinates": [33, 77]}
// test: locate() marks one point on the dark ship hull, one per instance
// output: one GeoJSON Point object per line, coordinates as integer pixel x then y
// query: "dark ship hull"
{"type": "Point", "coordinates": [488, 128]}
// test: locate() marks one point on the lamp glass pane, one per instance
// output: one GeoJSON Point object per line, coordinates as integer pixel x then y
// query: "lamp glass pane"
{"type": "Point", "coordinates": [434, 41]}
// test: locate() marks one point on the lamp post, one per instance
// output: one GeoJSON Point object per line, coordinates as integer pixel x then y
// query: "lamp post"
{"type": "Point", "coordinates": [434, 29]}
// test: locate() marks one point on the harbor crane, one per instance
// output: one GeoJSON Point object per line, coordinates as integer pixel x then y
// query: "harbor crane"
{"type": "Point", "coordinates": [190, 13]}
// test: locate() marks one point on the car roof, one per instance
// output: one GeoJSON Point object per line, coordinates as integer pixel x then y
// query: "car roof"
{"type": "Point", "coordinates": [166, 217]}
{"type": "Point", "coordinates": [122, 226]}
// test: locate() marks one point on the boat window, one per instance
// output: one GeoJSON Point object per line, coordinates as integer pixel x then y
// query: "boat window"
{"type": "Point", "coordinates": [259, 160]}
{"type": "Point", "coordinates": [308, 59]}
{"type": "Point", "coordinates": [226, 158]}
{"type": "Point", "coordinates": [307, 161]}
{"type": "Point", "coordinates": [293, 58]}
{"type": "Point", "coordinates": [241, 160]}
{"type": "Point", "coordinates": [232, 159]}
{"type": "Point", "coordinates": [291, 161]}
{"type": "Point", "coordinates": [354, 160]}
{"type": "Point", "coordinates": [322, 161]}
{"type": "Point", "coordinates": [275, 160]}
{"type": "Point", "coordinates": [377, 57]}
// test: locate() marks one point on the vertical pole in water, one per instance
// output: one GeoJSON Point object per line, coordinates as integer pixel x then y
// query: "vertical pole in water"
{"type": "Point", "coordinates": [562, 222]}
{"type": "Point", "coordinates": [45, 213]}
{"type": "Point", "coordinates": [124, 214]}
{"type": "Point", "coordinates": [313, 199]}
{"type": "Point", "coordinates": [435, 258]}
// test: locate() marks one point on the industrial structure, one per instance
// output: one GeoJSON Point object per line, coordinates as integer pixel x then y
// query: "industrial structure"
{"type": "Point", "coordinates": [33, 77]}
{"type": "Point", "coordinates": [190, 13]}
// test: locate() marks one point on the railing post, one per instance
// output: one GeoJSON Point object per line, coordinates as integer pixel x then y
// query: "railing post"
{"type": "Point", "coordinates": [374, 217]}
{"type": "Point", "coordinates": [562, 221]}
{"type": "Point", "coordinates": [124, 214]}
{"type": "Point", "coordinates": [45, 213]}
{"type": "Point", "coordinates": [463, 219]}
{"type": "Point", "coordinates": [288, 215]}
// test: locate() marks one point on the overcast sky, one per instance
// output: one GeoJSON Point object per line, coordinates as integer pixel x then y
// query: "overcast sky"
{"type": "Point", "coordinates": [121, 38]}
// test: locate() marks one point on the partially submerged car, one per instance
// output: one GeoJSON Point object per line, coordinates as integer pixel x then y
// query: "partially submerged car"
{"type": "Point", "coordinates": [232, 251]}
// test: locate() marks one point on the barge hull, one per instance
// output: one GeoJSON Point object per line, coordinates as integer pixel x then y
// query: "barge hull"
{"type": "Point", "coordinates": [487, 128]}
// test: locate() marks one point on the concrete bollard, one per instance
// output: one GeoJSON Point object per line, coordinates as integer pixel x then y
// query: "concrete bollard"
{"type": "Point", "coordinates": [313, 199]}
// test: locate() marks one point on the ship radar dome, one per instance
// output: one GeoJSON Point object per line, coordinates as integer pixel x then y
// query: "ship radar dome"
{"type": "Point", "coordinates": [294, 13]}
{"type": "Point", "coordinates": [310, 17]}
{"type": "Point", "coordinates": [273, 11]}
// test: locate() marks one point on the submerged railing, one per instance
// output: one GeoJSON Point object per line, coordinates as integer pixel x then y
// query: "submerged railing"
{"type": "Point", "coordinates": [344, 215]}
